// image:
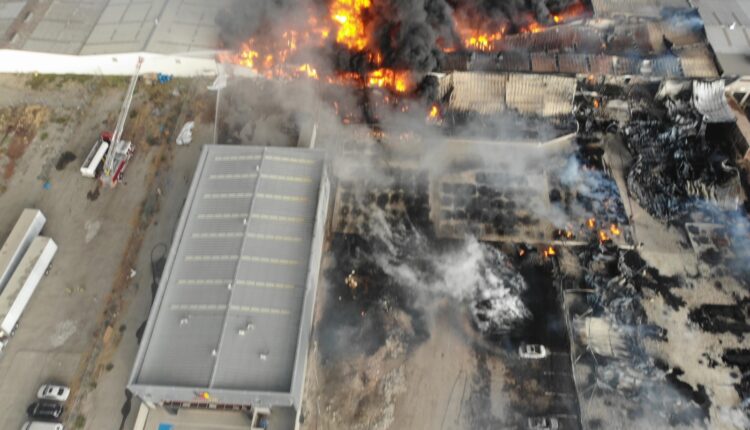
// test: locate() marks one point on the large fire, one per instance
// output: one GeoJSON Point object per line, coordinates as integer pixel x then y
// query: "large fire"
{"type": "Point", "coordinates": [348, 15]}
{"type": "Point", "coordinates": [478, 34]}
{"type": "Point", "coordinates": [345, 23]}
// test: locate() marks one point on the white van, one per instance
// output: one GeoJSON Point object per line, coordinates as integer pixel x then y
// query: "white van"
{"type": "Point", "coordinates": [39, 425]}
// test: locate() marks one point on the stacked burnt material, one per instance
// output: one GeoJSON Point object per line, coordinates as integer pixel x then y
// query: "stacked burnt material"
{"type": "Point", "coordinates": [676, 165]}
{"type": "Point", "coordinates": [386, 252]}
{"type": "Point", "coordinates": [601, 106]}
{"type": "Point", "coordinates": [406, 195]}
{"type": "Point", "coordinates": [491, 205]}
{"type": "Point", "coordinates": [582, 188]}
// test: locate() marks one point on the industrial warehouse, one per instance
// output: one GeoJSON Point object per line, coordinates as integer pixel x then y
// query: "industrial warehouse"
{"type": "Point", "coordinates": [237, 293]}
{"type": "Point", "coordinates": [360, 214]}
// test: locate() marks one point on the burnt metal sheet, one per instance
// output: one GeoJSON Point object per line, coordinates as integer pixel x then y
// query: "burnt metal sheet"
{"type": "Point", "coordinates": [710, 100]}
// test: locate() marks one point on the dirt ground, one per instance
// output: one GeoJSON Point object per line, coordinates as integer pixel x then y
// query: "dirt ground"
{"type": "Point", "coordinates": [78, 328]}
{"type": "Point", "coordinates": [424, 388]}
{"type": "Point", "coordinates": [450, 378]}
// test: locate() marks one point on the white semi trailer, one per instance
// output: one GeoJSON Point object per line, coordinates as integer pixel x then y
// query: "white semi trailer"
{"type": "Point", "coordinates": [22, 284]}
{"type": "Point", "coordinates": [27, 228]}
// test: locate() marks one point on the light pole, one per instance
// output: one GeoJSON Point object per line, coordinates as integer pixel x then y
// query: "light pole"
{"type": "Point", "coordinates": [219, 83]}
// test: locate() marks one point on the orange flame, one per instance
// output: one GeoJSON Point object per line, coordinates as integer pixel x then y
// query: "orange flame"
{"type": "Point", "coordinates": [387, 78]}
{"type": "Point", "coordinates": [348, 15]}
{"type": "Point", "coordinates": [534, 27]}
{"type": "Point", "coordinates": [483, 42]}
{"type": "Point", "coordinates": [434, 112]}
{"type": "Point", "coordinates": [603, 237]}
{"type": "Point", "coordinates": [550, 252]}
{"type": "Point", "coordinates": [591, 223]}
{"type": "Point", "coordinates": [573, 11]}
{"type": "Point", "coordinates": [269, 59]}
{"type": "Point", "coordinates": [615, 230]}
{"type": "Point", "coordinates": [308, 70]}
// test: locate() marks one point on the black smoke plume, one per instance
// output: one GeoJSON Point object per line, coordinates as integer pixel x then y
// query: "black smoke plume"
{"type": "Point", "coordinates": [409, 34]}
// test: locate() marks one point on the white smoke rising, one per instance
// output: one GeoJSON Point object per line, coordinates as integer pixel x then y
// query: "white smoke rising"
{"type": "Point", "coordinates": [475, 272]}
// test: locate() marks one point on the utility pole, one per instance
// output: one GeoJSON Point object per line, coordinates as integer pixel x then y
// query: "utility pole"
{"type": "Point", "coordinates": [219, 83]}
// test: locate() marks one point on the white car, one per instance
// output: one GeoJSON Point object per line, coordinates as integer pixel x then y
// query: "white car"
{"type": "Point", "coordinates": [53, 392]}
{"type": "Point", "coordinates": [543, 423]}
{"type": "Point", "coordinates": [532, 351]}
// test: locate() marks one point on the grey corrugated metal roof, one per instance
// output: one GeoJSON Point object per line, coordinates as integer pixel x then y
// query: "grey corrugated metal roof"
{"type": "Point", "coordinates": [235, 284]}
{"type": "Point", "coordinates": [727, 24]}
{"type": "Point", "coordinates": [103, 26]}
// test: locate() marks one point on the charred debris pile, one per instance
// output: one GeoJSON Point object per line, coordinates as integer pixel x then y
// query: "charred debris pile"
{"type": "Point", "coordinates": [679, 167]}
{"type": "Point", "coordinates": [682, 163]}
{"type": "Point", "coordinates": [386, 250]}
{"type": "Point", "coordinates": [610, 329]}
{"type": "Point", "coordinates": [672, 130]}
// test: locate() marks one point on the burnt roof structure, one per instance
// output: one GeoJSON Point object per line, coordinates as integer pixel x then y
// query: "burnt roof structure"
{"type": "Point", "coordinates": [233, 312]}
{"type": "Point", "coordinates": [544, 96]}
{"type": "Point", "coordinates": [659, 38]}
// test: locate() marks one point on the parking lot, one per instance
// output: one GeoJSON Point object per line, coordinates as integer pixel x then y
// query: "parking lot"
{"type": "Point", "coordinates": [78, 329]}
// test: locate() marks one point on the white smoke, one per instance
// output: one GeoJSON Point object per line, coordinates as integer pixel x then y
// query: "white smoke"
{"type": "Point", "coordinates": [474, 272]}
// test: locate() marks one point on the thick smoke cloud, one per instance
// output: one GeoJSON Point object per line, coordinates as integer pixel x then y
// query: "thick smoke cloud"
{"type": "Point", "coordinates": [409, 34]}
{"type": "Point", "coordinates": [250, 18]}
{"type": "Point", "coordinates": [471, 272]}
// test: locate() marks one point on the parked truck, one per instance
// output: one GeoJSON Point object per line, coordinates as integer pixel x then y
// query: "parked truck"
{"type": "Point", "coordinates": [27, 228]}
{"type": "Point", "coordinates": [22, 284]}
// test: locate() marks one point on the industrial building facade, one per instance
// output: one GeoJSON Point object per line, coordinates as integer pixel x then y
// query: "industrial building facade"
{"type": "Point", "coordinates": [231, 323]}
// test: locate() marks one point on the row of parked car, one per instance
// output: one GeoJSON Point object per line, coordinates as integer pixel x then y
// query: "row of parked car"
{"type": "Point", "coordinates": [537, 352]}
{"type": "Point", "coordinates": [45, 412]}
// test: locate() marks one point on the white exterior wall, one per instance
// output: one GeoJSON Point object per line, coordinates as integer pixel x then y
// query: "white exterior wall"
{"type": "Point", "coordinates": [15, 61]}
{"type": "Point", "coordinates": [28, 226]}
{"type": "Point", "coordinates": [22, 285]}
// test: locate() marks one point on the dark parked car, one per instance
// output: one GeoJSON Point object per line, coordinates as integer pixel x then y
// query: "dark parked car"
{"type": "Point", "coordinates": [45, 410]}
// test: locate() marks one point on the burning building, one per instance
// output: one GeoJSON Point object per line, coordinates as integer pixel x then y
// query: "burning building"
{"type": "Point", "coordinates": [522, 162]}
